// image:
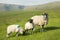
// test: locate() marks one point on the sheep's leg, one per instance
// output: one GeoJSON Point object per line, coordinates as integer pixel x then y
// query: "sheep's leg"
{"type": "Point", "coordinates": [33, 27]}
{"type": "Point", "coordinates": [32, 30]}
{"type": "Point", "coordinates": [16, 33]}
{"type": "Point", "coordinates": [7, 34]}
{"type": "Point", "coordinates": [26, 30]}
{"type": "Point", "coordinates": [42, 28]}
{"type": "Point", "coordinates": [17, 30]}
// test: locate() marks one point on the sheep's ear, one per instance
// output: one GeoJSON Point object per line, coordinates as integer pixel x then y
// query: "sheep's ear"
{"type": "Point", "coordinates": [31, 20]}
{"type": "Point", "coordinates": [43, 13]}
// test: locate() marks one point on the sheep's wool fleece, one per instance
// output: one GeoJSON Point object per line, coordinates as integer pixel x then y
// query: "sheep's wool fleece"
{"type": "Point", "coordinates": [28, 25]}
{"type": "Point", "coordinates": [13, 28]}
{"type": "Point", "coordinates": [38, 20]}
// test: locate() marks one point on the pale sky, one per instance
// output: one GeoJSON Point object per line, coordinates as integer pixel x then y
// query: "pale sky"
{"type": "Point", "coordinates": [27, 2]}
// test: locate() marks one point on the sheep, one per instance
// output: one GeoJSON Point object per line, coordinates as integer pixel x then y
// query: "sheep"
{"type": "Point", "coordinates": [41, 20]}
{"type": "Point", "coordinates": [29, 26]}
{"type": "Point", "coordinates": [14, 28]}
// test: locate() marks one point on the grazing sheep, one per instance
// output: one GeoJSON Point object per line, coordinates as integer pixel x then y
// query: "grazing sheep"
{"type": "Point", "coordinates": [41, 20]}
{"type": "Point", "coordinates": [14, 28]}
{"type": "Point", "coordinates": [29, 26]}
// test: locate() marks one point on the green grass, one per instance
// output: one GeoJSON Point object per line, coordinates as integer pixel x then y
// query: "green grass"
{"type": "Point", "coordinates": [21, 17]}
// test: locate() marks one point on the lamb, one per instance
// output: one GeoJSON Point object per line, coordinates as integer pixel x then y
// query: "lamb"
{"type": "Point", "coordinates": [41, 20]}
{"type": "Point", "coordinates": [14, 28]}
{"type": "Point", "coordinates": [29, 26]}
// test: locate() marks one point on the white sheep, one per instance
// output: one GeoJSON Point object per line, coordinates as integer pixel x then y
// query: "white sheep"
{"type": "Point", "coordinates": [41, 20]}
{"type": "Point", "coordinates": [29, 25]}
{"type": "Point", "coordinates": [14, 28]}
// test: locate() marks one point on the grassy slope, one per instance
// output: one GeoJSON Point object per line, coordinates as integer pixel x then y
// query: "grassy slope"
{"type": "Point", "coordinates": [48, 6]}
{"type": "Point", "coordinates": [21, 17]}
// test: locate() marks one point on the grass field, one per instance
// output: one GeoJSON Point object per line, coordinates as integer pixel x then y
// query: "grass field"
{"type": "Point", "coordinates": [21, 17]}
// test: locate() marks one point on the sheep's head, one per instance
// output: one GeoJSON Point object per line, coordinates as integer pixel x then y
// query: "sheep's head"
{"type": "Point", "coordinates": [22, 31]}
{"type": "Point", "coordinates": [45, 14]}
{"type": "Point", "coordinates": [45, 17]}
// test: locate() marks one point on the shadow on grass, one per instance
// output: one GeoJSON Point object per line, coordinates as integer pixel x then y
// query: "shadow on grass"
{"type": "Point", "coordinates": [51, 28]}
{"type": "Point", "coordinates": [47, 29]}
{"type": "Point", "coordinates": [26, 34]}
{"type": "Point", "coordinates": [38, 31]}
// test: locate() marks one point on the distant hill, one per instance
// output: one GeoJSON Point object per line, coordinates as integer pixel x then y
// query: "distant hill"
{"type": "Point", "coordinates": [7, 7]}
{"type": "Point", "coordinates": [48, 6]}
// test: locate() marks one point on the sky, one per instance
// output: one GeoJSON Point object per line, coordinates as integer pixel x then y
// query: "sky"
{"type": "Point", "coordinates": [26, 2]}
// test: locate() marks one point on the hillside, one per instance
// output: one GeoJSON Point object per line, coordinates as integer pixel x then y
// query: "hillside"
{"type": "Point", "coordinates": [48, 6]}
{"type": "Point", "coordinates": [5, 7]}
